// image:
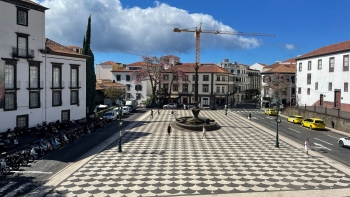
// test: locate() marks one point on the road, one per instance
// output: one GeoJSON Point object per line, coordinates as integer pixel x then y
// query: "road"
{"type": "Point", "coordinates": [21, 182]}
{"type": "Point", "coordinates": [327, 140]}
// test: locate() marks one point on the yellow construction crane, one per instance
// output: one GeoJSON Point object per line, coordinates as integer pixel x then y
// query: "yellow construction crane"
{"type": "Point", "coordinates": [199, 30]}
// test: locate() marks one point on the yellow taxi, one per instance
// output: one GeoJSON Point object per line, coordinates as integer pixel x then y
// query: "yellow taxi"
{"type": "Point", "coordinates": [313, 123]}
{"type": "Point", "coordinates": [271, 112]}
{"type": "Point", "coordinates": [296, 119]}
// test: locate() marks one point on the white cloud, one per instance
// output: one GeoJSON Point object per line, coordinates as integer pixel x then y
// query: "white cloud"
{"type": "Point", "coordinates": [136, 30]}
{"type": "Point", "coordinates": [289, 46]}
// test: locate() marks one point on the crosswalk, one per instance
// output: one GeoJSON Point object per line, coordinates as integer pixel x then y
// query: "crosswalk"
{"type": "Point", "coordinates": [248, 111]}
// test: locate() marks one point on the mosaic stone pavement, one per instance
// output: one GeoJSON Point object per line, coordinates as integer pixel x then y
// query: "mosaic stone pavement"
{"type": "Point", "coordinates": [237, 158]}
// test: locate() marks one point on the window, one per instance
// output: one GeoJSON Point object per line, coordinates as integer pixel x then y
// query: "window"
{"type": "Point", "coordinates": [205, 101]}
{"type": "Point", "coordinates": [128, 87]}
{"type": "Point", "coordinates": [74, 97]}
{"type": "Point", "coordinates": [22, 16]}
{"type": "Point", "coordinates": [165, 77]}
{"type": "Point", "coordinates": [118, 77]}
{"type": "Point", "coordinates": [185, 88]}
{"type": "Point", "coordinates": [309, 65]}
{"type": "Point", "coordinates": [331, 64]}
{"type": "Point", "coordinates": [10, 101]}
{"type": "Point", "coordinates": [238, 72]}
{"type": "Point", "coordinates": [316, 85]}
{"type": "Point", "coordinates": [223, 89]}
{"type": "Point", "coordinates": [128, 77]}
{"type": "Point", "coordinates": [128, 96]}
{"type": "Point", "coordinates": [193, 77]}
{"type": "Point", "coordinates": [174, 77]}
{"type": "Point", "coordinates": [22, 45]}
{"type": "Point", "coordinates": [217, 89]}
{"type": "Point", "coordinates": [309, 78]}
{"type": "Point", "coordinates": [217, 78]}
{"type": "Point", "coordinates": [300, 66]}
{"type": "Point", "coordinates": [22, 121]}
{"type": "Point", "coordinates": [330, 86]}
{"type": "Point", "coordinates": [56, 76]}
{"type": "Point", "coordinates": [138, 96]}
{"type": "Point", "coordinates": [74, 76]}
{"type": "Point", "coordinates": [319, 65]}
{"type": "Point", "coordinates": [299, 90]}
{"type": "Point", "coordinates": [192, 87]}
{"type": "Point", "coordinates": [65, 115]}
{"type": "Point", "coordinates": [56, 98]}
{"type": "Point", "coordinates": [175, 87]}
{"type": "Point", "coordinates": [205, 77]}
{"type": "Point", "coordinates": [308, 91]}
{"type": "Point", "coordinates": [346, 87]}
{"type": "Point", "coordinates": [223, 78]}
{"type": "Point", "coordinates": [346, 63]}
{"type": "Point", "coordinates": [10, 76]}
{"type": "Point", "coordinates": [138, 87]}
{"type": "Point", "coordinates": [205, 88]}
{"type": "Point", "coordinates": [293, 79]}
{"type": "Point", "coordinates": [34, 99]}
{"type": "Point", "coordinates": [34, 76]}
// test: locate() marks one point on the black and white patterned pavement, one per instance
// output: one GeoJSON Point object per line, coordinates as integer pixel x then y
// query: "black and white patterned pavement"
{"type": "Point", "coordinates": [238, 158]}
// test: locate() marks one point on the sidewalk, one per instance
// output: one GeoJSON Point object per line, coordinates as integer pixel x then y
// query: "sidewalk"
{"type": "Point", "coordinates": [238, 159]}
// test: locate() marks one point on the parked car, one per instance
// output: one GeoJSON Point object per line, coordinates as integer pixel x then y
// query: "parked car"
{"type": "Point", "coordinates": [152, 105]}
{"type": "Point", "coordinates": [190, 105]}
{"type": "Point", "coordinates": [126, 110]}
{"type": "Point", "coordinates": [170, 105]}
{"type": "Point", "coordinates": [344, 141]}
{"type": "Point", "coordinates": [117, 110]}
{"type": "Point", "coordinates": [296, 119]}
{"type": "Point", "coordinates": [313, 123]}
{"type": "Point", "coordinates": [110, 115]}
{"type": "Point", "coordinates": [271, 112]}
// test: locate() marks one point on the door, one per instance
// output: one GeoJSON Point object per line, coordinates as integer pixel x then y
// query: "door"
{"type": "Point", "coordinates": [321, 99]}
{"type": "Point", "coordinates": [184, 100]}
{"type": "Point", "coordinates": [337, 99]}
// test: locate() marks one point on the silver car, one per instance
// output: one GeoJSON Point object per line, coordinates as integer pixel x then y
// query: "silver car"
{"type": "Point", "coordinates": [170, 105]}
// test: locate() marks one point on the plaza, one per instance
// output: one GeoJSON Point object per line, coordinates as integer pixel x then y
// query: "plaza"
{"type": "Point", "coordinates": [239, 158]}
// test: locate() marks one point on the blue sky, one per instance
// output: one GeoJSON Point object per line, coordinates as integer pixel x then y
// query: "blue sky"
{"type": "Point", "coordinates": [125, 27]}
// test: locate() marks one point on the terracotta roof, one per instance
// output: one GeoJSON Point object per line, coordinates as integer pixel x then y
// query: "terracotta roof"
{"type": "Point", "coordinates": [28, 3]}
{"type": "Point", "coordinates": [136, 64]}
{"type": "Point", "coordinates": [102, 84]}
{"type": "Point", "coordinates": [280, 68]}
{"type": "Point", "coordinates": [264, 65]}
{"type": "Point", "coordinates": [205, 68]}
{"type": "Point", "coordinates": [73, 47]}
{"type": "Point", "coordinates": [338, 47]}
{"type": "Point", "coordinates": [291, 60]}
{"type": "Point", "coordinates": [108, 63]}
{"type": "Point", "coordinates": [58, 49]}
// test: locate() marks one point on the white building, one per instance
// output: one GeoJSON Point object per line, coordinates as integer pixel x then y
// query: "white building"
{"type": "Point", "coordinates": [40, 80]}
{"type": "Point", "coordinates": [285, 68]}
{"type": "Point", "coordinates": [125, 76]}
{"type": "Point", "coordinates": [323, 77]}
{"type": "Point", "coordinates": [104, 69]}
{"type": "Point", "coordinates": [258, 66]}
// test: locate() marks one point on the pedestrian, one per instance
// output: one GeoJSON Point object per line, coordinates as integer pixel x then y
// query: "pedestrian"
{"type": "Point", "coordinates": [204, 131]}
{"type": "Point", "coordinates": [225, 106]}
{"type": "Point", "coordinates": [184, 106]}
{"type": "Point", "coordinates": [15, 142]}
{"type": "Point", "coordinates": [169, 130]}
{"type": "Point", "coordinates": [250, 116]}
{"type": "Point", "coordinates": [307, 146]}
{"type": "Point", "coordinates": [235, 105]}
{"type": "Point", "coordinates": [172, 113]}
{"type": "Point", "coordinates": [151, 116]}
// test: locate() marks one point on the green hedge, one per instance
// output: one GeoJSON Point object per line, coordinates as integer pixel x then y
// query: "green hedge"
{"type": "Point", "coordinates": [100, 113]}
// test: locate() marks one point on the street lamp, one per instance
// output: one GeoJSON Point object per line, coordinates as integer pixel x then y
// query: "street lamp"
{"type": "Point", "coordinates": [158, 100]}
{"type": "Point", "coordinates": [227, 93]}
{"type": "Point", "coordinates": [120, 130]}
{"type": "Point", "coordinates": [278, 121]}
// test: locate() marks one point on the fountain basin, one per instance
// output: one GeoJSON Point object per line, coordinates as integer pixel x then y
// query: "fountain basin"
{"type": "Point", "coordinates": [196, 124]}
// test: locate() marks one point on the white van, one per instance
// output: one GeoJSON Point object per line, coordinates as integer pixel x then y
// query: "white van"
{"type": "Point", "coordinates": [126, 110]}
{"type": "Point", "coordinates": [110, 115]}
{"type": "Point", "coordinates": [117, 110]}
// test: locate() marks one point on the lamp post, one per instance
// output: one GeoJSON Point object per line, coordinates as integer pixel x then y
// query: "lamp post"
{"type": "Point", "coordinates": [158, 100]}
{"type": "Point", "coordinates": [278, 121]}
{"type": "Point", "coordinates": [120, 130]}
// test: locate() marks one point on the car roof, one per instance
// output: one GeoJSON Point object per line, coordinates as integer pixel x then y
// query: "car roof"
{"type": "Point", "coordinates": [316, 118]}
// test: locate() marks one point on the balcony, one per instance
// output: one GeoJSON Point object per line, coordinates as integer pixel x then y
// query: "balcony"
{"type": "Point", "coordinates": [24, 53]}
{"type": "Point", "coordinates": [185, 92]}
{"type": "Point", "coordinates": [34, 86]}
{"type": "Point", "coordinates": [13, 86]}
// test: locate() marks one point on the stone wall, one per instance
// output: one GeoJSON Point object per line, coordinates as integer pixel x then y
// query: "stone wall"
{"type": "Point", "coordinates": [341, 124]}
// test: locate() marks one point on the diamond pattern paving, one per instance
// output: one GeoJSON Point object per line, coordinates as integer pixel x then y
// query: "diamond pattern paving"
{"type": "Point", "coordinates": [237, 158]}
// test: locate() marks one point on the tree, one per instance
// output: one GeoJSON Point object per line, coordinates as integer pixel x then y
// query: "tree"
{"type": "Point", "coordinates": [114, 93]}
{"type": "Point", "coordinates": [152, 70]}
{"type": "Point", "coordinates": [90, 71]}
{"type": "Point", "coordinates": [277, 84]}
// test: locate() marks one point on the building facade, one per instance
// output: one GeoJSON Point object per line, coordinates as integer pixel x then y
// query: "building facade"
{"type": "Point", "coordinates": [40, 80]}
{"type": "Point", "coordinates": [258, 66]}
{"type": "Point", "coordinates": [104, 69]}
{"type": "Point", "coordinates": [323, 77]}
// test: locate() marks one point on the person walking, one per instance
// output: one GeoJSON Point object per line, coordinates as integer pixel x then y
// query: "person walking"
{"type": "Point", "coordinates": [172, 113]}
{"type": "Point", "coordinates": [184, 106]}
{"type": "Point", "coordinates": [204, 131]}
{"type": "Point", "coordinates": [151, 115]}
{"type": "Point", "coordinates": [307, 146]}
{"type": "Point", "coordinates": [250, 116]}
{"type": "Point", "coordinates": [169, 130]}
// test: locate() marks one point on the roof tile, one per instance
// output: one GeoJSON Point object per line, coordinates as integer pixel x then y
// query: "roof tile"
{"type": "Point", "coordinates": [342, 46]}
{"type": "Point", "coordinates": [52, 46]}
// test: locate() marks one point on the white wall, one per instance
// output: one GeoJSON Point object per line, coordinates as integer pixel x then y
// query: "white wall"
{"type": "Point", "coordinates": [132, 91]}
{"type": "Point", "coordinates": [257, 66]}
{"type": "Point", "coordinates": [323, 77]}
{"type": "Point", "coordinates": [104, 72]}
